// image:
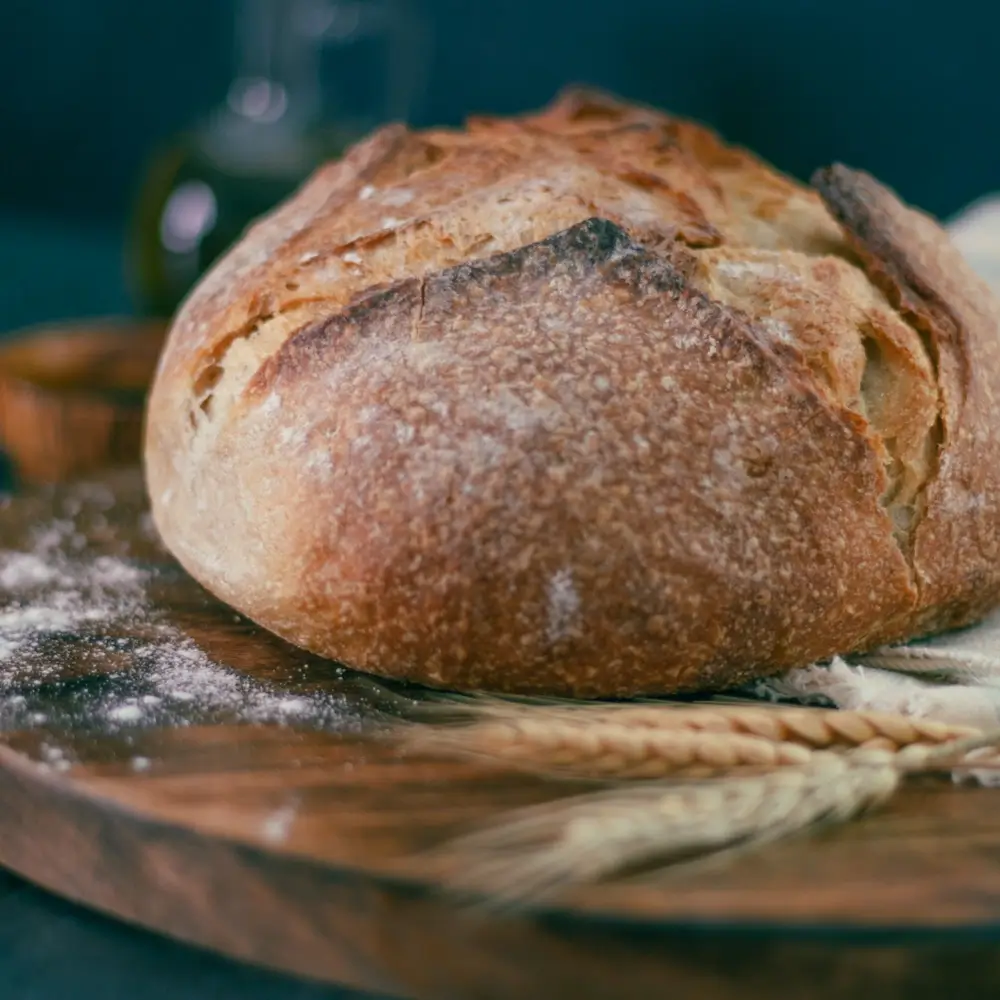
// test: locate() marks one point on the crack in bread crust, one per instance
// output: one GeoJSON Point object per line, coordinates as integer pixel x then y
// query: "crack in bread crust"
{"type": "Point", "coordinates": [956, 541]}
{"type": "Point", "coordinates": [861, 353]}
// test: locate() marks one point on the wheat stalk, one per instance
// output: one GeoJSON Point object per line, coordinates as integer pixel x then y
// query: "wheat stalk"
{"type": "Point", "coordinates": [598, 749]}
{"type": "Point", "coordinates": [535, 853]}
{"type": "Point", "coordinates": [653, 740]}
{"type": "Point", "coordinates": [815, 727]}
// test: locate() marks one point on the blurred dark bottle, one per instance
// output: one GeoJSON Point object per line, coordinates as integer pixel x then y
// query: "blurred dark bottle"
{"type": "Point", "coordinates": [313, 76]}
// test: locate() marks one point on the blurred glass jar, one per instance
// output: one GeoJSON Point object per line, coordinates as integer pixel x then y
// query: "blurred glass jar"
{"type": "Point", "coordinates": [313, 76]}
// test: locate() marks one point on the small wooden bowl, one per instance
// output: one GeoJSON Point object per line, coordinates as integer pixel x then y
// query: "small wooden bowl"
{"type": "Point", "coordinates": [72, 396]}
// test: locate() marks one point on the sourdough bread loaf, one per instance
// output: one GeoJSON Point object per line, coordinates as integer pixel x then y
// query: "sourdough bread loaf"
{"type": "Point", "coordinates": [585, 402]}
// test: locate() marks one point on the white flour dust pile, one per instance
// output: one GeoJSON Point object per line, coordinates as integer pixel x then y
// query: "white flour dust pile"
{"type": "Point", "coordinates": [82, 646]}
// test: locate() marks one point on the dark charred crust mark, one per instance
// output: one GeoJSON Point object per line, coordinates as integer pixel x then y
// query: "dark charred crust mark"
{"type": "Point", "coordinates": [384, 307]}
{"type": "Point", "coordinates": [577, 250]}
{"type": "Point", "coordinates": [595, 248]}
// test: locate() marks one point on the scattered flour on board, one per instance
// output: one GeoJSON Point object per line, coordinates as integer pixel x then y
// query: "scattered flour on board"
{"type": "Point", "coordinates": [52, 590]}
{"type": "Point", "coordinates": [62, 605]}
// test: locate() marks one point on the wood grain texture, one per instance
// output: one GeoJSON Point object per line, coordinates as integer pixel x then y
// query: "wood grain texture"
{"type": "Point", "coordinates": [289, 840]}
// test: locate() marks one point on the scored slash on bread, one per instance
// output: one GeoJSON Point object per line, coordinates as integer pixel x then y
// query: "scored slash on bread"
{"type": "Point", "coordinates": [584, 402]}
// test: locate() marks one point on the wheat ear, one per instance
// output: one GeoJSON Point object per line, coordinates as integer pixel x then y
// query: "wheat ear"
{"type": "Point", "coordinates": [624, 742]}
{"type": "Point", "coordinates": [535, 853]}
{"type": "Point", "coordinates": [814, 727]}
{"type": "Point", "coordinates": [599, 749]}
{"type": "Point", "coordinates": [527, 858]}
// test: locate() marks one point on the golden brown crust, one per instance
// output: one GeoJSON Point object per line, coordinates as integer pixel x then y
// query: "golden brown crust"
{"type": "Point", "coordinates": [957, 541]}
{"type": "Point", "coordinates": [603, 407]}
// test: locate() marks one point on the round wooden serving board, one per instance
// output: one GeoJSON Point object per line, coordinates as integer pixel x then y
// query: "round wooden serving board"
{"type": "Point", "coordinates": [166, 762]}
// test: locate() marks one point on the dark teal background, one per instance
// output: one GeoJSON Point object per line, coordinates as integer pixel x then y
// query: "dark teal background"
{"type": "Point", "coordinates": [908, 89]}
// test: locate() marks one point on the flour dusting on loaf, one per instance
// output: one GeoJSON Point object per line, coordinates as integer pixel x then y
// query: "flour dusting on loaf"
{"type": "Point", "coordinates": [584, 402]}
